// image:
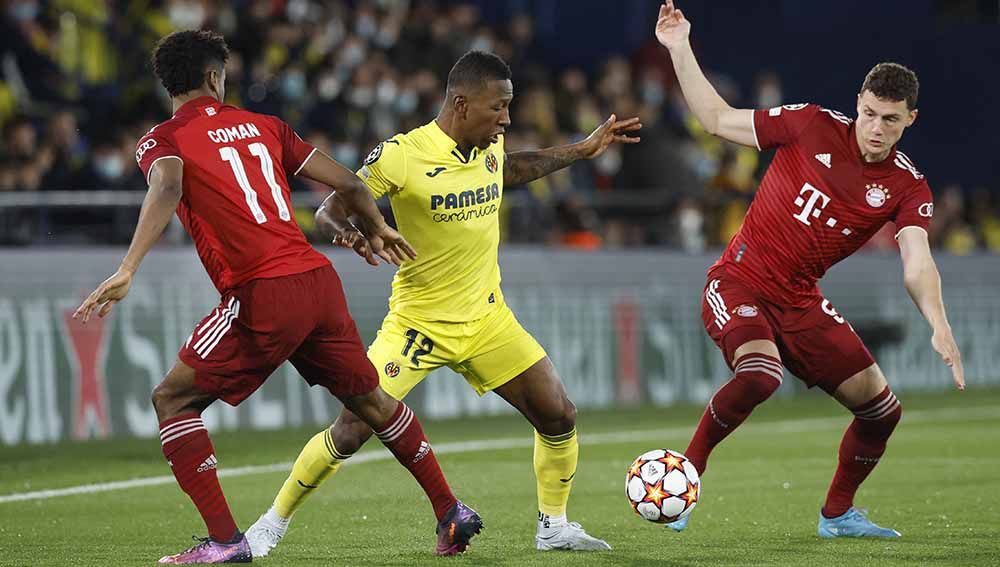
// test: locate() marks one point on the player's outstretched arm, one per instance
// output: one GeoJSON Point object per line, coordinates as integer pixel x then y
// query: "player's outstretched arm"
{"type": "Point", "coordinates": [529, 165]}
{"type": "Point", "coordinates": [923, 282]}
{"type": "Point", "coordinates": [714, 113]}
{"type": "Point", "coordinates": [165, 191]}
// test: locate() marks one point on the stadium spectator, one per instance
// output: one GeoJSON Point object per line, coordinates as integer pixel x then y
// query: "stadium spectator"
{"type": "Point", "coordinates": [352, 73]}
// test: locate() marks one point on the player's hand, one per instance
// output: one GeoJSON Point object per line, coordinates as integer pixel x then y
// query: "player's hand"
{"type": "Point", "coordinates": [944, 343]}
{"type": "Point", "coordinates": [608, 133]}
{"type": "Point", "coordinates": [111, 291]}
{"type": "Point", "coordinates": [672, 28]}
{"type": "Point", "coordinates": [390, 245]}
{"type": "Point", "coordinates": [356, 241]}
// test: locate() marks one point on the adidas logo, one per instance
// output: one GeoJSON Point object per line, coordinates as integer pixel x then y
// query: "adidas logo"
{"type": "Point", "coordinates": [824, 159]}
{"type": "Point", "coordinates": [422, 452]}
{"type": "Point", "coordinates": [210, 463]}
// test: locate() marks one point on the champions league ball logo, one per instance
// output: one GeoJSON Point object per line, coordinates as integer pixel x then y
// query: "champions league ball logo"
{"type": "Point", "coordinates": [877, 195]}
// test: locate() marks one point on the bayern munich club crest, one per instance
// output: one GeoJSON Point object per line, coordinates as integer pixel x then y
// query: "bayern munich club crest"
{"type": "Point", "coordinates": [877, 195]}
{"type": "Point", "coordinates": [746, 311]}
{"type": "Point", "coordinates": [392, 370]}
{"type": "Point", "coordinates": [491, 163]}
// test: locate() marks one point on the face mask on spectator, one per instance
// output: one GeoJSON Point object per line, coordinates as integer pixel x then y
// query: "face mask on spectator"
{"type": "Point", "coordinates": [481, 43]}
{"type": "Point", "coordinates": [297, 11]}
{"type": "Point", "coordinates": [365, 26]}
{"type": "Point", "coordinates": [346, 153]}
{"type": "Point", "coordinates": [652, 92]}
{"type": "Point", "coordinates": [407, 101]}
{"type": "Point", "coordinates": [186, 15]}
{"type": "Point", "coordinates": [386, 92]}
{"type": "Point", "coordinates": [353, 55]}
{"type": "Point", "coordinates": [609, 162]}
{"type": "Point", "coordinates": [361, 97]}
{"type": "Point", "coordinates": [23, 11]}
{"type": "Point", "coordinates": [386, 37]}
{"type": "Point", "coordinates": [328, 87]}
{"type": "Point", "coordinates": [768, 96]}
{"type": "Point", "coordinates": [110, 167]}
{"type": "Point", "coordinates": [294, 85]}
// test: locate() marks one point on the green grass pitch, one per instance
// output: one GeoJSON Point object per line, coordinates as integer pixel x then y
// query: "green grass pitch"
{"type": "Point", "coordinates": [938, 484]}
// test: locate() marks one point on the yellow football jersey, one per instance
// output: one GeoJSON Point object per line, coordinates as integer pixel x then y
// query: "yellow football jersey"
{"type": "Point", "coordinates": [448, 208]}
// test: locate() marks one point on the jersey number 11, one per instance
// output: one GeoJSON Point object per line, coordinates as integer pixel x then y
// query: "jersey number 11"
{"type": "Point", "coordinates": [258, 149]}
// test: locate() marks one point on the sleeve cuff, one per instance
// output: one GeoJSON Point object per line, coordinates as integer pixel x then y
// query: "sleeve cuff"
{"type": "Point", "coordinates": [150, 170]}
{"type": "Point", "coordinates": [900, 231]}
{"type": "Point", "coordinates": [303, 164]}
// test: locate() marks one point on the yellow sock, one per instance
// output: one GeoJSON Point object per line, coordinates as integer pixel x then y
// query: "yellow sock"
{"type": "Point", "coordinates": [555, 466]}
{"type": "Point", "coordinates": [318, 460]}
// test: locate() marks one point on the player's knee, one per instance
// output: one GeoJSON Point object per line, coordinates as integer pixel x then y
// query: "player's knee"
{"type": "Point", "coordinates": [349, 433]}
{"type": "Point", "coordinates": [167, 404]}
{"type": "Point", "coordinates": [557, 418]}
{"type": "Point", "coordinates": [161, 399]}
{"type": "Point", "coordinates": [569, 414]}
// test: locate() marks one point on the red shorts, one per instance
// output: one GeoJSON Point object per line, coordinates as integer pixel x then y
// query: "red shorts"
{"type": "Point", "coordinates": [815, 342]}
{"type": "Point", "coordinates": [302, 318]}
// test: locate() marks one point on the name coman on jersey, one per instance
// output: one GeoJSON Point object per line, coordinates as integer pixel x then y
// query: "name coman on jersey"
{"type": "Point", "coordinates": [236, 203]}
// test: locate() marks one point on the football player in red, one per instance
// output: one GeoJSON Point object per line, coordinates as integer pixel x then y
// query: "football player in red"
{"type": "Point", "coordinates": [225, 172]}
{"type": "Point", "coordinates": [834, 182]}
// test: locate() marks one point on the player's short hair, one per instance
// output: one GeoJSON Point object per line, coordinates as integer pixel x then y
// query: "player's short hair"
{"type": "Point", "coordinates": [181, 58]}
{"type": "Point", "coordinates": [476, 68]}
{"type": "Point", "coordinates": [892, 81]}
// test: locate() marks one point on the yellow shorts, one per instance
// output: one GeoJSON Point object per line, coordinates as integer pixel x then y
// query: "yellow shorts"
{"type": "Point", "coordinates": [488, 352]}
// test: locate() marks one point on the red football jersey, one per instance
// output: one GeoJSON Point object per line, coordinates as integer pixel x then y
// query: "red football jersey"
{"type": "Point", "coordinates": [236, 204]}
{"type": "Point", "coordinates": [819, 202]}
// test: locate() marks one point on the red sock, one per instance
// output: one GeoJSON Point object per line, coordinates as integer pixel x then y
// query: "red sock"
{"type": "Point", "coordinates": [404, 437]}
{"type": "Point", "coordinates": [860, 450]}
{"type": "Point", "coordinates": [757, 377]}
{"type": "Point", "coordinates": [189, 453]}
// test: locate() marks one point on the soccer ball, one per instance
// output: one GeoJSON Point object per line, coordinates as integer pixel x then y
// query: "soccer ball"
{"type": "Point", "coordinates": [662, 486]}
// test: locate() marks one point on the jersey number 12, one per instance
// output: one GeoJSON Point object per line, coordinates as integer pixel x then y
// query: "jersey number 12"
{"type": "Point", "coordinates": [258, 149]}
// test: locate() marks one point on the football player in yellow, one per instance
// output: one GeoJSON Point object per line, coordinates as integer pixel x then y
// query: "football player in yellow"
{"type": "Point", "coordinates": [445, 182]}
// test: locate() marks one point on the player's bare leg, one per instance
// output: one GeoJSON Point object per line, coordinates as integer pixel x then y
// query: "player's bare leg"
{"type": "Point", "coordinates": [319, 459]}
{"type": "Point", "coordinates": [189, 451]}
{"type": "Point", "coordinates": [401, 433]}
{"type": "Point", "coordinates": [876, 413]}
{"type": "Point", "coordinates": [541, 397]}
{"type": "Point", "coordinates": [757, 375]}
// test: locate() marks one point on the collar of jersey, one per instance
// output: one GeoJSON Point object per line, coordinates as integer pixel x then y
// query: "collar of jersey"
{"type": "Point", "coordinates": [887, 162]}
{"type": "Point", "coordinates": [194, 104]}
{"type": "Point", "coordinates": [444, 142]}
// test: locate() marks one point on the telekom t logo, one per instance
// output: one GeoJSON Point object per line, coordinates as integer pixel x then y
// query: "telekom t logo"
{"type": "Point", "coordinates": [812, 205]}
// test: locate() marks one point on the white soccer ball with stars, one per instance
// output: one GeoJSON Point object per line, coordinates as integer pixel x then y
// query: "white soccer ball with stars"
{"type": "Point", "coordinates": [662, 486]}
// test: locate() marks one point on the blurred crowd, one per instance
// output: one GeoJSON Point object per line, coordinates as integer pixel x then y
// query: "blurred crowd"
{"type": "Point", "coordinates": [76, 92]}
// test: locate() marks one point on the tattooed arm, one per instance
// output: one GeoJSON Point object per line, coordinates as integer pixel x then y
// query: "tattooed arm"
{"type": "Point", "coordinates": [529, 165]}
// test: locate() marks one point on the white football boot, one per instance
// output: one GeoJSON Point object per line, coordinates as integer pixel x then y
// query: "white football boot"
{"type": "Point", "coordinates": [266, 532]}
{"type": "Point", "coordinates": [557, 533]}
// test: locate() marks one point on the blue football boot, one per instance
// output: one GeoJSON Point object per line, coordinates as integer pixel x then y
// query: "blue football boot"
{"type": "Point", "coordinates": [852, 523]}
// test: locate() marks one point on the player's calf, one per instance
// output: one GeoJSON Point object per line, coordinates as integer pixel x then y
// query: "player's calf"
{"type": "Point", "coordinates": [757, 377]}
{"type": "Point", "coordinates": [861, 449]}
{"type": "Point", "coordinates": [402, 434]}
